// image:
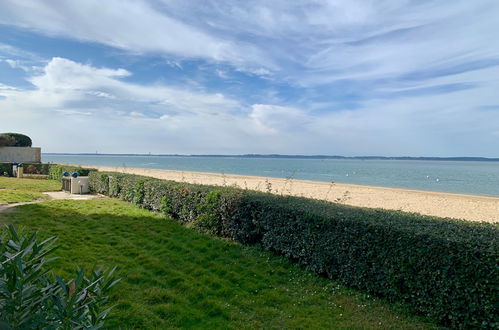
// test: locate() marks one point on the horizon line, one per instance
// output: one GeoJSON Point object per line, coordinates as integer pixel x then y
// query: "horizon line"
{"type": "Point", "coordinates": [469, 158]}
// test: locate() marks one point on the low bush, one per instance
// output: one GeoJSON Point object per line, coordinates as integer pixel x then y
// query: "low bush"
{"type": "Point", "coordinates": [29, 168]}
{"type": "Point", "coordinates": [56, 171]}
{"type": "Point", "coordinates": [5, 169]}
{"type": "Point", "coordinates": [446, 269]}
{"type": "Point", "coordinates": [37, 168]}
{"type": "Point", "coordinates": [33, 298]}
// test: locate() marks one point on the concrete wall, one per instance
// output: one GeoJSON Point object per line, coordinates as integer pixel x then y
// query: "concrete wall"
{"type": "Point", "coordinates": [20, 155]}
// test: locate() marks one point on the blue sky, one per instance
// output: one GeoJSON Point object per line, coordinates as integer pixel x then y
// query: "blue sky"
{"type": "Point", "coordinates": [348, 77]}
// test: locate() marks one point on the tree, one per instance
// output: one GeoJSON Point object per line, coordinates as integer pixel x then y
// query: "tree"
{"type": "Point", "coordinates": [7, 141]}
{"type": "Point", "coordinates": [15, 140]}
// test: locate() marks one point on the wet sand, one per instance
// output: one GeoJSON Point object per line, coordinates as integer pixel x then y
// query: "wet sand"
{"type": "Point", "coordinates": [459, 206]}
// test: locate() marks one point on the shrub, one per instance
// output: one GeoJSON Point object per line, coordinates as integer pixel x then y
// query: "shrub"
{"type": "Point", "coordinates": [32, 298]}
{"type": "Point", "coordinates": [443, 268]}
{"type": "Point", "coordinates": [56, 171]}
{"type": "Point", "coordinates": [102, 183]}
{"type": "Point", "coordinates": [15, 140]}
{"type": "Point", "coordinates": [37, 168]}
{"type": "Point", "coordinates": [5, 169]}
{"type": "Point", "coordinates": [29, 168]}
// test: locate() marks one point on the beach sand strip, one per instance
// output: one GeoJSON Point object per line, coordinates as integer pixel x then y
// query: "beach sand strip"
{"type": "Point", "coordinates": [459, 206]}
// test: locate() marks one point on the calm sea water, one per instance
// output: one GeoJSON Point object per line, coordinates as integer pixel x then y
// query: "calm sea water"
{"type": "Point", "coordinates": [466, 177]}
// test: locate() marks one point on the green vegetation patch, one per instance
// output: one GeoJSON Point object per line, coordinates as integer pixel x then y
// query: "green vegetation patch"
{"type": "Point", "coordinates": [15, 196]}
{"type": "Point", "coordinates": [174, 277]}
{"type": "Point", "coordinates": [444, 268]}
{"type": "Point", "coordinates": [56, 171]}
{"type": "Point", "coordinates": [29, 185]}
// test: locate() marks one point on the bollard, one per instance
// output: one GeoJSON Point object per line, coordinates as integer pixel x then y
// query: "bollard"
{"type": "Point", "coordinates": [20, 171]}
{"type": "Point", "coordinates": [14, 169]}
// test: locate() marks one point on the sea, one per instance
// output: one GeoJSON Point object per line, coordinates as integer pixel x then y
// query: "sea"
{"type": "Point", "coordinates": [463, 177]}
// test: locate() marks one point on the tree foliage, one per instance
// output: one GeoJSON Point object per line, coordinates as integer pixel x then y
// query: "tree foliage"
{"type": "Point", "coordinates": [15, 140]}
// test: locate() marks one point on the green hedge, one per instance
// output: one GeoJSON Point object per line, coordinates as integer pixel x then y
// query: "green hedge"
{"type": "Point", "coordinates": [56, 171]}
{"type": "Point", "coordinates": [446, 269]}
{"type": "Point", "coordinates": [29, 168]}
{"type": "Point", "coordinates": [37, 168]}
{"type": "Point", "coordinates": [5, 168]}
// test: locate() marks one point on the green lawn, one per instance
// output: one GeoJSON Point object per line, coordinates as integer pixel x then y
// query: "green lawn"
{"type": "Point", "coordinates": [15, 196]}
{"type": "Point", "coordinates": [31, 185]}
{"type": "Point", "coordinates": [174, 277]}
{"type": "Point", "coordinates": [13, 190]}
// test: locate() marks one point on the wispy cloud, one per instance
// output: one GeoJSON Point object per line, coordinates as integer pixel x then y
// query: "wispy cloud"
{"type": "Point", "coordinates": [138, 27]}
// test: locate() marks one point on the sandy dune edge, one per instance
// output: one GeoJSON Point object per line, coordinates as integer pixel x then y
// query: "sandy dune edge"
{"type": "Point", "coordinates": [467, 207]}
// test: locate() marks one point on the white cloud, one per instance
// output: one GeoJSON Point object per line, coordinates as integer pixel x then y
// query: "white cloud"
{"type": "Point", "coordinates": [167, 119]}
{"type": "Point", "coordinates": [11, 51]}
{"type": "Point", "coordinates": [136, 26]}
{"type": "Point", "coordinates": [275, 119]}
{"type": "Point", "coordinates": [4, 87]}
{"type": "Point", "coordinates": [65, 112]}
{"type": "Point", "coordinates": [13, 63]}
{"type": "Point", "coordinates": [73, 113]}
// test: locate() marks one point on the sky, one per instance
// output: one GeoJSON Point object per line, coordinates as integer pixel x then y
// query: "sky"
{"type": "Point", "coordinates": [339, 77]}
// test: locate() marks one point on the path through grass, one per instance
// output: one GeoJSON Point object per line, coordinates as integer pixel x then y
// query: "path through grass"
{"type": "Point", "coordinates": [175, 277]}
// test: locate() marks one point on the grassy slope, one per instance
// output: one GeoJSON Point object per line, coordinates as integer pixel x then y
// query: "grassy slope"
{"type": "Point", "coordinates": [175, 277]}
{"type": "Point", "coordinates": [14, 190]}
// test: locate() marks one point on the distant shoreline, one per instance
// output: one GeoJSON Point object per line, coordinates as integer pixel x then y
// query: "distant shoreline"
{"type": "Point", "coordinates": [475, 159]}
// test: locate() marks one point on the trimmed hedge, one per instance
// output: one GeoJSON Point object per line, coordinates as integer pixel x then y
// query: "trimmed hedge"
{"type": "Point", "coordinates": [37, 168]}
{"type": "Point", "coordinates": [56, 171]}
{"type": "Point", "coordinates": [5, 168]}
{"type": "Point", "coordinates": [15, 140]}
{"type": "Point", "coordinates": [29, 168]}
{"type": "Point", "coordinates": [446, 269]}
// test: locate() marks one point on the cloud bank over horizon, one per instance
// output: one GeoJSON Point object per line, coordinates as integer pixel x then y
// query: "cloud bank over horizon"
{"type": "Point", "coordinates": [224, 77]}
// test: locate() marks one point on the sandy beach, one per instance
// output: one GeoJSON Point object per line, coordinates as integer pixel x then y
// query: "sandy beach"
{"type": "Point", "coordinates": [467, 207]}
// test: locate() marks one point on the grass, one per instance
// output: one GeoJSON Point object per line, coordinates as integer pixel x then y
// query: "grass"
{"type": "Point", "coordinates": [15, 196]}
{"type": "Point", "coordinates": [29, 185]}
{"type": "Point", "coordinates": [174, 277]}
{"type": "Point", "coordinates": [13, 190]}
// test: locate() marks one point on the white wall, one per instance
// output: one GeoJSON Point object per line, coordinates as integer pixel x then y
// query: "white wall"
{"type": "Point", "coordinates": [20, 155]}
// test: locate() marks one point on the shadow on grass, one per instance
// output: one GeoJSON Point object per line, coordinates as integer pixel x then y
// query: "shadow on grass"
{"type": "Point", "coordinates": [176, 277]}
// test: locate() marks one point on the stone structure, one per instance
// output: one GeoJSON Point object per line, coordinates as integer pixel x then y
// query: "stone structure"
{"type": "Point", "coordinates": [20, 155]}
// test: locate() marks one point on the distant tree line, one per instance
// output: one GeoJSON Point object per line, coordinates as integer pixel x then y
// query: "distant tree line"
{"type": "Point", "coordinates": [15, 140]}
